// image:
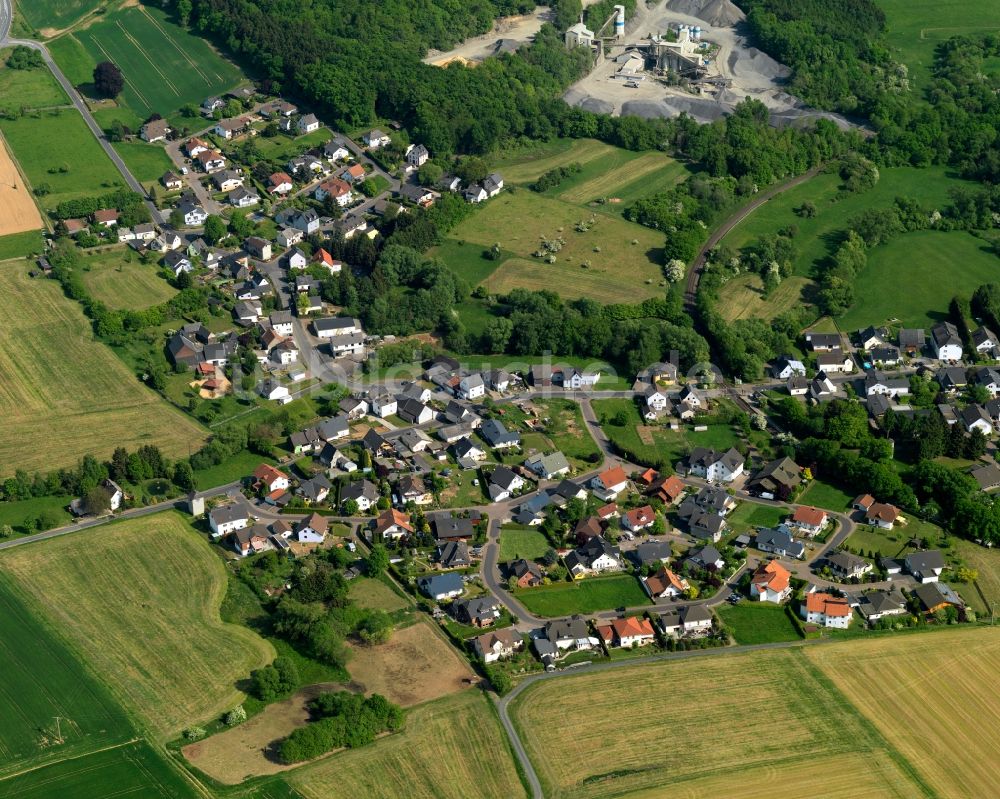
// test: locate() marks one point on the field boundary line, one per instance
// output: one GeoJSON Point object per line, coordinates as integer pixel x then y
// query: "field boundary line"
{"type": "Point", "coordinates": [71, 758]}
{"type": "Point", "coordinates": [27, 185]}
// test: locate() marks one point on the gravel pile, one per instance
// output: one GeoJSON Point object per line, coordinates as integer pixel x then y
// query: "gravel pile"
{"type": "Point", "coordinates": [718, 13]}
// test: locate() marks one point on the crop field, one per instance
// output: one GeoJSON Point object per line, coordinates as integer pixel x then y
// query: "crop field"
{"type": "Point", "coordinates": [42, 679]}
{"type": "Point", "coordinates": [916, 27]}
{"type": "Point", "coordinates": [132, 770]}
{"type": "Point", "coordinates": [521, 542]}
{"type": "Point", "coordinates": [450, 749]}
{"type": "Point", "coordinates": [584, 596]}
{"type": "Point", "coordinates": [28, 88]}
{"type": "Point", "coordinates": [51, 15]}
{"type": "Point", "coordinates": [56, 149]}
{"type": "Point", "coordinates": [119, 280]}
{"type": "Point", "coordinates": [145, 616]}
{"type": "Point", "coordinates": [932, 698]}
{"type": "Point", "coordinates": [526, 166]}
{"type": "Point", "coordinates": [20, 245]}
{"type": "Point", "coordinates": [415, 665]}
{"type": "Point", "coordinates": [911, 262]}
{"type": "Point", "coordinates": [743, 297]}
{"type": "Point", "coordinates": [66, 393]}
{"type": "Point", "coordinates": [719, 734]}
{"type": "Point", "coordinates": [18, 212]}
{"type": "Point", "coordinates": [164, 66]}
{"type": "Point", "coordinates": [519, 220]}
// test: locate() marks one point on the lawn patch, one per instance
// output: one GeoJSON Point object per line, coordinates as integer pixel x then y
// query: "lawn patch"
{"type": "Point", "coordinates": [521, 542]}
{"type": "Point", "coordinates": [120, 280]}
{"type": "Point", "coordinates": [584, 596]}
{"type": "Point", "coordinates": [28, 88]}
{"type": "Point", "coordinates": [826, 496]}
{"type": "Point", "coordinates": [147, 162]}
{"type": "Point", "coordinates": [758, 623]}
{"type": "Point", "coordinates": [373, 593]}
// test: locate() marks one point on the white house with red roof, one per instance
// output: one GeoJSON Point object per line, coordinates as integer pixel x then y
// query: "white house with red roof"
{"type": "Point", "coordinates": [639, 518]}
{"type": "Point", "coordinates": [271, 479]}
{"type": "Point", "coordinates": [632, 631]}
{"type": "Point", "coordinates": [826, 610]}
{"type": "Point", "coordinates": [664, 584]}
{"type": "Point", "coordinates": [609, 483]}
{"type": "Point", "coordinates": [771, 582]}
{"type": "Point", "coordinates": [809, 520]}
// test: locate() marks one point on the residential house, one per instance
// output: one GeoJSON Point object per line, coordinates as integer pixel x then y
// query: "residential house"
{"type": "Point", "coordinates": [334, 326]}
{"type": "Point", "coordinates": [706, 558]}
{"type": "Point", "coordinates": [475, 194]}
{"type": "Point", "coordinates": [412, 488]}
{"type": "Point", "coordinates": [947, 342]}
{"type": "Point", "coordinates": [471, 387]}
{"type": "Point", "coordinates": [688, 620]}
{"type": "Point", "coordinates": [639, 519]}
{"type": "Point", "coordinates": [808, 520]}
{"type": "Point", "coordinates": [587, 528]}
{"type": "Point", "coordinates": [414, 412]}
{"type": "Point", "coordinates": [440, 587]}
{"type": "Point", "coordinates": [497, 645]}
{"type": "Point", "coordinates": [106, 217]}
{"type": "Point", "coordinates": [336, 188]}
{"type": "Point", "coordinates": [375, 138]}
{"type": "Point", "coordinates": [652, 553]}
{"type": "Point", "coordinates": [780, 542]}
{"type": "Point", "coordinates": [228, 128]}
{"type": "Point", "coordinates": [715, 466]}
{"type": "Point", "coordinates": [847, 565]}
{"type": "Point", "coordinates": [493, 185]}
{"type": "Point", "coordinates": [876, 605]}
{"type": "Point", "coordinates": [571, 633]}
{"type": "Point", "coordinates": [270, 479]}
{"type": "Point", "coordinates": [453, 555]}
{"type": "Point", "coordinates": [363, 492]}
{"type": "Point", "coordinates": [154, 130]}
{"type": "Point", "coordinates": [987, 476]}
{"type": "Point", "coordinates": [664, 584]}
{"type": "Point", "coordinates": [227, 180]}
{"type": "Point", "coordinates": [822, 388]}
{"type": "Point", "coordinates": [985, 342]}
{"type": "Point", "coordinates": [498, 380]}
{"type": "Point", "coordinates": [481, 611]}
{"type": "Point", "coordinates": [596, 556]}
{"type": "Point", "coordinates": [886, 355]}
{"type": "Point", "coordinates": [628, 632]}
{"type": "Point", "coordinates": [258, 247]}
{"type": "Point", "coordinates": [610, 483]}
{"type": "Point", "coordinates": [952, 378]}
{"type": "Point", "coordinates": [975, 417]}
{"type": "Point", "coordinates": [925, 566]}
{"type": "Point", "coordinates": [497, 436]}
{"type": "Point", "coordinates": [226, 519]}
{"type": "Point", "coordinates": [826, 610]}
{"type": "Point", "coordinates": [882, 514]}
{"type": "Point", "coordinates": [911, 340]}
{"type": "Point", "coordinates": [307, 124]}
{"type": "Point", "coordinates": [334, 150]}
{"type": "Point", "coordinates": [834, 362]}
{"type": "Point", "coordinates": [416, 155]}
{"type": "Point", "coordinates": [354, 173]}
{"type": "Point", "coordinates": [989, 379]}
{"type": "Point", "coordinates": [195, 146]}
{"type": "Point", "coordinates": [172, 181]}
{"type": "Point", "coordinates": [823, 342]}
{"type": "Point", "coordinates": [279, 183]}
{"type": "Point", "coordinates": [937, 596]}
{"type": "Point", "coordinates": [210, 161]}
{"type": "Point", "coordinates": [251, 540]}
{"type": "Point", "coordinates": [777, 478]}
{"type": "Point", "coordinates": [312, 529]}
{"type": "Point", "coordinates": [771, 582]}
{"type": "Point", "coordinates": [334, 428]}
{"type": "Point", "coordinates": [315, 489]}
{"type": "Point", "coordinates": [504, 483]}
{"type": "Point", "coordinates": [877, 382]}
{"type": "Point", "coordinates": [527, 573]}
{"type": "Point", "coordinates": [290, 236]}
{"type": "Point", "coordinates": [392, 525]}
{"type": "Point", "coordinates": [786, 367]}
{"type": "Point", "coordinates": [548, 466]}
{"type": "Point", "coordinates": [243, 198]}
{"type": "Point", "coordinates": [383, 404]}
{"type": "Point", "coordinates": [467, 453]}
{"type": "Point", "coordinates": [871, 337]}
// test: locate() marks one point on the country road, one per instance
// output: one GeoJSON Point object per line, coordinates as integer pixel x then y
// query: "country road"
{"type": "Point", "coordinates": [6, 17]}
{"type": "Point", "coordinates": [698, 266]}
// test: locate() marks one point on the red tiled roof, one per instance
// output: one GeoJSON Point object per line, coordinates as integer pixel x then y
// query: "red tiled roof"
{"type": "Point", "coordinates": [806, 514]}
{"type": "Point", "coordinates": [640, 516]}
{"type": "Point", "coordinates": [882, 511]}
{"type": "Point", "coordinates": [827, 604]}
{"type": "Point", "coordinates": [612, 477]}
{"type": "Point", "coordinates": [268, 473]}
{"type": "Point", "coordinates": [772, 575]}
{"type": "Point", "coordinates": [632, 626]}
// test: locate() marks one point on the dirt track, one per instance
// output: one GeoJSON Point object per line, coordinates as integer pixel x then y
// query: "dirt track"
{"type": "Point", "coordinates": [18, 212]}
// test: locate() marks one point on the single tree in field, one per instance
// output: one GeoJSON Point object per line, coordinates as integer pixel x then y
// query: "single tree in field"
{"type": "Point", "coordinates": [108, 79]}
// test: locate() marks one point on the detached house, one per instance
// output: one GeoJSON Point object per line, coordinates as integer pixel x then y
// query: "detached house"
{"type": "Point", "coordinates": [771, 582]}
{"type": "Point", "coordinates": [155, 130]}
{"type": "Point", "coordinates": [497, 645]}
{"type": "Point", "coordinates": [597, 556]}
{"type": "Point", "coordinates": [225, 520]}
{"type": "Point", "coordinates": [716, 467]}
{"type": "Point", "coordinates": [609, 483]}
{"type": "Point", "coordinates": [946, 342]}
{"type": "Point", "coordinates": [779, 542]}
{"type": "Point", "coordinates": [627, 632]}
{"type": "Point", "coordinates": [664, 584]}
{"type": "Point", "coordinates": [307, 123]}
{"type": "Point", "coordinates": [417, 155]}
{"type": "Point", "coordinates": [985, 341]}
{"type": "Point", "coordinates": [375, 138]}
{"type": "Point", "coordinates": [393, 525]}
{"type": "Point", "coordinates": [826, 610]}
{"type": "Point", "coordinates": [809, 520]}
{"type": "Point", "coordinates": [336, 188]}
{"type": "Point", "coordinates": [279, 183]}
{"type": "Point", "coordinates": [639, 519]}
{"type": "Point", "coordinates": [270, 478]}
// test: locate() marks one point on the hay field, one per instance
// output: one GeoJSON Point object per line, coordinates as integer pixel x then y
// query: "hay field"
{"type": "Point", "coordinates": [414, 666]}
{"type": "Point", "coordinates": [18, 212]}
{"type": "Point", "coordinates": [699, 722]}
{"type": "Point", "coordinates": [450, 749]}
{"type": "Point", "coordinates": [526, 167]}
{"type": "Point", "coordinates": [119, 280]}
{"type": "Point", "coordinates": [67, 394]}
{"type": "Point", "coordinates": [607, 182]}
{"type": "Point", "coordinates": [620, 272]}
{"type": "Point", "coordinates": [140, 601]}
{"type": "Point", "coordinates": [742, 298]}
{"type": "Point", "coordinates": [164, 66]}
{"type": "Point", "coordinates": [933, 697]}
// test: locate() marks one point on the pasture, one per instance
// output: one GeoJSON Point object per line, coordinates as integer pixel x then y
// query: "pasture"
{"type": "Point", "coordinates": [902, 279]}
{"type": "Point", "coordinates": [916, 27]}
{"type": "Point", "coordinates": [165, 67]}
{"type": "Point", "coordinates": [49, 16]}
{"type": "Point", "coordinates": [57, 150]}
{"type": "Point", "coordinates": [20, 245]}
{"type": "Point", "coordinates": [932, 698]}
{"type": "Point", "coordinates": [521, 542]}
{"type": "Point", "coordinates": [43, 679]}
{"type": "Point", "coordinates": [719, 734]}
{"type": "Point", "coordinates": [18, 212]}
{"type": "Point", "coordinates": [414, 666]}
{"type": "Point", "coordinates": [584, 596]}
{"type": "Point", "coordinates": [68, 394]}
{"type": "Point", "coordinates": [453, 748]}
{"type": "Point", "coordinates": [987, 563]}
{"type": "Point", "coordinates": [145, 616]}
{"type": "Point", "coordinates": [742, 297]}
{"type": "Point", "coordinates": [28, 88]}
{"type": "Point", "coordinates": [600, 262]}
{"type": "Point", "coordinates": [131, 770]}
{"type": "Point", "coordinates": [120, 280]}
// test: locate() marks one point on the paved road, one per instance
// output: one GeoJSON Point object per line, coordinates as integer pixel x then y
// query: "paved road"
{"type": "Point", "coordinates": [6, 18]}
{"type": "Point", "coordinates": [694, 275]}
{"type": "Point", "coordinates": [503, 704]}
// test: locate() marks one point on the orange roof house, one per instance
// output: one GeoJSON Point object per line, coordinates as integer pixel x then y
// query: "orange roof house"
{"type": "Point", "coordinates": [807, 516]}
{"type": "Point", "coordinates": [665, 582]}
{"type": "Point", "coordinates": [770, 582]}
{"type": "Point", "coordinates": [668, 489]}
{"type": "Point", "coordinates": [612, 477]}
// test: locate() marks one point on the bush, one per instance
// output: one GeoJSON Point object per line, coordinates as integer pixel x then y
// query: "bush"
{"type": "Point", "coordinates": [343, 720]}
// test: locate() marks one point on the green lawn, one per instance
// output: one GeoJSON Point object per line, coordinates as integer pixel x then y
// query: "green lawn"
{"type": "Point", "coordinates": [28, 88]}
{"type": "Point", "coordinates": [749, 516]}
{"type": "Point", "coordinates": [120, 280]}
{"type": "Point", "coordinates": [57, 149]}
{"type": "Point", "coordinates": [884, 543]}
{"type": "Point", "coordinates": [19, 245]}
{"type": "Point", "coordinates": [17, 513]}
{"type": "Point", "coordinates": [165, 66]}
{"type": "Point", "coordinates": [758, 623]}
{"type": "Point", "coordinates": [568, 432]}
{"type": "Point", "coordinates": [584, 596]}
{"type": "Point", "coordinates": [281, 148]}
{"type": "Point", "coordinates": [235, 468]}
{"type": "Point", "coordinates": [517, 542]}
{"type": "Point", "coordinates": [916, 27]}
{"type": "Point", "coordinates": [902, 278]}
{"type": "Point", "coordinates": [825, 496]}
{"type": "Point", "coordinates": [146, 161]}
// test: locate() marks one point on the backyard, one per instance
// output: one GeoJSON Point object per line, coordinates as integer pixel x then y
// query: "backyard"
{"type": "Point", "coordinates": [584, 596]}
{"type": "Point", "coordinates": [517, 541]}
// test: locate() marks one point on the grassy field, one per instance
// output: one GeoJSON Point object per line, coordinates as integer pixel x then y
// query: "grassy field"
{"type": "Point", "coordinates": [56, 149]}
{"type": "Point", "coordinates": [916, 27]}
{"type": "Point", "coordinates": [119, 280]}
{"type": "Point", "coordinates": [43, 679]}
{"type": "Point", "coordinates": [743, 298]}
{"type": "Point", "coordinates": [584, 596]}
{"type": "Point", "coordinates": [370, 593]}
{"type": "Point", "coordinates": [826, 496]}
{"type": "Point", "coordinates": [518, 219]}
{"type": "Point", "coordinates": [146, 161]}
{"type": "Point", "coordinates": [450, 749]}
{"type": "Point", "coordinates": [132, 770]}
{"type": "Point", "coordinates": [749, 515]}
{"type": "Point", "coordinates": [49, 15]}
{"type": "Point", "coordinates": [911, 262]}
{"type": "Point", "coordinates": [521, 542]}
{"type": "Point", "coordinates": [931, 697]}
{"type": "Point", "coordinates": [281, 147]}
{"type": "Point", "coordinates": [19, 245]}
{"type": "Point", "coordinates": [165, 67]}
{"type": "Point", "coordinates": [145, 616]}
{"type": "Point", "coordinates": [758, 623]}
{"type": "Point", "coordinates": [67, 394]}
{"type": "Point", "coordinates": [28, 88]}
{"type": "Point", "coordinates": [987, 563]}
{"type": "Point", "coordinates": [230, 470]}
{"type": "Point", "coordinates": [734, 721]}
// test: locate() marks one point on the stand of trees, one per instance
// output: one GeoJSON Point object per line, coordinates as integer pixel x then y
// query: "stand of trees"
{"type": "Point", "coordinates": [341, 719]}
